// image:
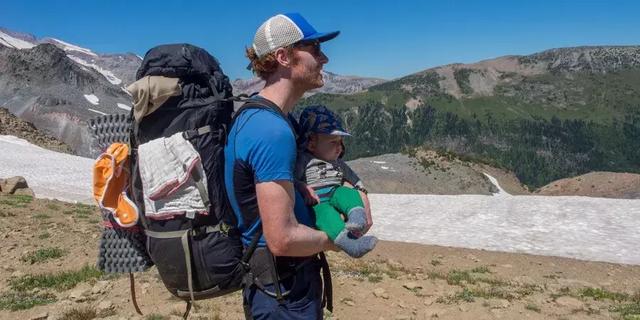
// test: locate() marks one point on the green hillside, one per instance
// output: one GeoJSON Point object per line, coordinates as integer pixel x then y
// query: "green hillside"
{"type": "Point", "coordinates": [547, 116]}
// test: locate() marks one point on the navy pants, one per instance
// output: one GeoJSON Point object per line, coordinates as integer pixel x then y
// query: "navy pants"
{"type": "Point", "coordinates": [304, 301]}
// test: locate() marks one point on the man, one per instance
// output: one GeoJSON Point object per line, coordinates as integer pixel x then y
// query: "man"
{"type": "Point", "coordinates": [259, 162]}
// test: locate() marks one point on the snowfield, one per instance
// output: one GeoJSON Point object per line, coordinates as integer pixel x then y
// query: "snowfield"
{"type": "Point", "coordinates": [106, 73]}
{"type": "Point", "coordinates": [71, 47]}
{"type": "Point", "coordinates": [576, 227]}
{"type": "Point", "coordinates": [124, 106]}
{"type": "Point", "coordinates": [12, 42]}
{"type": "Point", "coordinates": [92, 99]}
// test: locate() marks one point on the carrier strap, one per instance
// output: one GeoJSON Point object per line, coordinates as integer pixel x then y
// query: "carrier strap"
{"type": "Point", "coordinates": [133, 294]}
{"type": "Point", "coordinates": [327, 286]}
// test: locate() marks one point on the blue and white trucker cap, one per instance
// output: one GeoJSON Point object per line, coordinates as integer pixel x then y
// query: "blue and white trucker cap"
{"type": "Point", "coordinates": [286, 29]}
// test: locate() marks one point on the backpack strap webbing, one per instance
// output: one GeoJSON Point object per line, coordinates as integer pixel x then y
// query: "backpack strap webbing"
{"type": "Point", "coordinates": [327, 286]}
{"type": "Point", "coordinates": [257, 102]}
{"type": "Point", "coordinates": [133, 293]}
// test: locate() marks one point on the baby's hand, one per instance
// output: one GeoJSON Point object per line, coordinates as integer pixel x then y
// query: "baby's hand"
{"type": "Point", "coordinates": [309, 195]}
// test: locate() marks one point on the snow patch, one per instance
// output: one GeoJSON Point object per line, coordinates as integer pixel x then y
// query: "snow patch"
{"type": "Point", "coordinates": [62, 176]}
{"type": "Point", "coordinates": [70, 47]}
{"type": "Point", "coordinates": [494, 181]}
{"type": "Point", "coordinates": [576, 227]}
{"type": "Point", "coordinates": [596, 229]}
{"type": "Point", "coordinates": [96, 111]}
{"type": "Point", "coordinates": [379, 162]}
{"type": "Point", "coordinates": [92, 99]}
{"type": "Point", "coordinates": [106, 73]}
{"type": "Point", "coordinates": [12, 42]}
{"type": "Point", "coordinates": [384, 168]}
{"type": "Point", "coordinates": [124, 106]}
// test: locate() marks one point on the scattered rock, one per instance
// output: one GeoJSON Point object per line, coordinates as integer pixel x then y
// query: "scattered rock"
{"type": "Point", "coordinates": [40, 316]}
{"type": "Point", "coordinates": [473, 258]}
{"type": "Point", "coordinates": [15, 185]}
{"type": "Point", "coordinates": [17, 274]}
{"type": "Point", "coordinates": [500, 304]}
{"type": "Point", "coordinates": [348, 302]}
{"type": "Point", "coordinates": [412, 286]}
{"type": "Point", "coordinates": [100, 287]}
{"type": "Point", "coordinates": [394, 264]}
{"type": "Point", "coordinates": [380, 293]}
{"type": "Point", "coordinates": [105, 308]}
{"type": "Point", "coordinates": [429, 301]}
{"type": "Point", "coordinates": [569, 302]}
{"type": "Point", "coordinates": [79, 294]}
{"type": "Point", "coordinates": [593, 309]}
{"type": "Point", "coordinates": [435, 312]}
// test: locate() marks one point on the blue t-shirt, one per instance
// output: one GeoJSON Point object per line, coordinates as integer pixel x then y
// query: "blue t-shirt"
{"type": "Point", "coordinates": [261, 147]}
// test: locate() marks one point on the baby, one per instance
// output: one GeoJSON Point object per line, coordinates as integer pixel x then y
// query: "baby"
{"type": "Point", "coordinates": [340, 212]}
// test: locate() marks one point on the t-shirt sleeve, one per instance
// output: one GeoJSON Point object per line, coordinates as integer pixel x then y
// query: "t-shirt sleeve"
{"type": "Point", "coordinates": [349, 175]}
{"type": "Point", "coordinates": [272, 147]}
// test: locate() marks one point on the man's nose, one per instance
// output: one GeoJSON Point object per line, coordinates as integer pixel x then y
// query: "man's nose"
{"type": "Point", "coordinates": [323, 58]}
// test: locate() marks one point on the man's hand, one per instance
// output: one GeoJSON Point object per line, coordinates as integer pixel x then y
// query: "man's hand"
{"type": "Point", "coordinates": [282, 232]}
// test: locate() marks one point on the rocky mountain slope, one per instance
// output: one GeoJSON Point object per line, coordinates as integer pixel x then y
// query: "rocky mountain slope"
{"type": "Point", "coordinates": [334, 83]}
{"type": "Point", "coordinates": [14, 126]}
{"type": "Point", "coordinates": [427, 173]}
{"type": "Point", "coordinates": [44, 86]}
{"type": "Point", "coordinates": [596, 184]}
{"type": "Point", "coordinates": [59, 86]}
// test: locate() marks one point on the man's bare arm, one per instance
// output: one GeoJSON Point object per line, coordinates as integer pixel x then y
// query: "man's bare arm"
{"type": "Point", "coordinates": [284, 235]}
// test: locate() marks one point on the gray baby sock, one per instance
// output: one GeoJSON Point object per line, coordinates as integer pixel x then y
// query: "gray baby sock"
{"type": "Point", "coordinates": [355, 247]}
{"type": "Point", "coordinates": [356, 220]}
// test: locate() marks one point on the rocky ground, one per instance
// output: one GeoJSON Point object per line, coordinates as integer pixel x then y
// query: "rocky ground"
{"type": "Point", "coordinates": [423, 173]}
{"type": "Point", "coordinates": [596, 184]}
{"type": "Point", "coordinates": [14, 126]}
{"type": "Point", "coordinates": [49, 249]}
{"type": "Point", "coordinates": [428, 172]}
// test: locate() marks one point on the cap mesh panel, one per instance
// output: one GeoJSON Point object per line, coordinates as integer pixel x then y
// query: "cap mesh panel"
{"type": "Point", "coordinates": [275, 33]}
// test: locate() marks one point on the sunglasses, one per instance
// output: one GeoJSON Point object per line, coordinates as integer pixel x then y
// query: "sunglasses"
{"type": "Point", "coordinates": [316, 50]}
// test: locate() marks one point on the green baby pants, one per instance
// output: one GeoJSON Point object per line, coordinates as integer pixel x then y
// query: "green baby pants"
{"type": "Point", "coordinates": [328, 218]}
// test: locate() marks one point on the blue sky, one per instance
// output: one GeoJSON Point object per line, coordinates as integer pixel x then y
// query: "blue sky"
{"type": "Point", "coordinates": [385, 39]}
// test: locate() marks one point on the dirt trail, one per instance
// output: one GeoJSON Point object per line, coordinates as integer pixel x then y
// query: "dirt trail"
{"type": "Point", "coordinates": [395, 281]}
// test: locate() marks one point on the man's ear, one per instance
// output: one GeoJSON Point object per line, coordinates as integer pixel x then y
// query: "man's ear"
{"type": "Point", "coordinates": [283, 57]}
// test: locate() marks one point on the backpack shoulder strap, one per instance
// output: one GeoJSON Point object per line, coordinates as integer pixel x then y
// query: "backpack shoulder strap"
{"type": "Point", "coordinates": [256, 102]}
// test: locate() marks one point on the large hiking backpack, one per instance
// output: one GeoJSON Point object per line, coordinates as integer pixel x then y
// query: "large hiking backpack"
{"type": "Point", "coordinates": [173, 174]}
{"type": "Point", "coordinates": [177, 175]}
